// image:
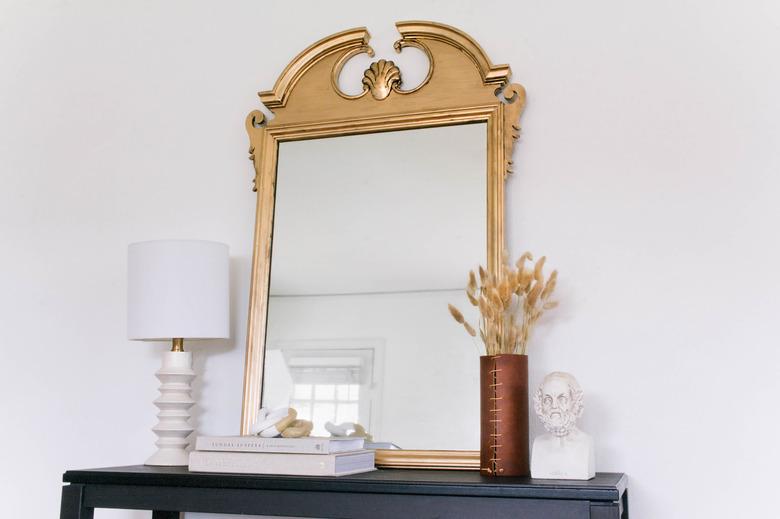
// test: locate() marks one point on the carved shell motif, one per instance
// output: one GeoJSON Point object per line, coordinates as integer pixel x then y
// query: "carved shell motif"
{"type": "Point", "coordinates": [381, 78]}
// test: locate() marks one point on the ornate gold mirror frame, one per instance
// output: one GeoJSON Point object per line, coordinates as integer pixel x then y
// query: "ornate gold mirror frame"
{"type": "Point", "coordinates": [462, 86]}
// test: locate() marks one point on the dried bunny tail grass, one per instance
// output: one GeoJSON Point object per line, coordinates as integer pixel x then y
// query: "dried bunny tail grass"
{"type": "Point", "coordinates": [505, 290]}
{"type": "Point", "coordinates": [517, 284]}
{"type": "Point", "coordinates": [495, 299]}
{"type": "Point", "coordinates": [538, 274]}
{"type": "Point", "coordinates": [521, 261]}
{"type": "Point", "coordinates": [469, 329]}
{"type": "Point", "coordinates": [512, 342]}
{"type": "Point", "coordinates": [456, 314]}
{"type": "Point", "coordinates": [510, 301]}
{"type": "Point", "coordinates": [533, 296]}
{"type": "Point", "coordinates": [514, 279]}
{"type": "Point", "coordinates": [472, 285]}
{"type": "Point", "coordinates": [505, 273]}
{"type": "Point", "coordinates": [549, 287]}
{"type": "Point", "coordinates": [526, 278]}
{"type": "Point", "coordinates": [484, 307]}
{"type": "Point", "coordinates": [511, 332]}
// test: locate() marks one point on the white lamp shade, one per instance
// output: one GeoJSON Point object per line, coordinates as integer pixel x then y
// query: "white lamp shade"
{"type": "Point", "coordinates": [178, 289]}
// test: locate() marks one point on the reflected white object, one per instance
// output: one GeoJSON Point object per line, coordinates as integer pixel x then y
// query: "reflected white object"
{"type": "Point", "coordinates": [177, 289]}
{"type": "Point", "coordinates": [298, 429]}
{"type": "Point", "coordinates": [564, 452]}
{"type": "Point", "coordinates": [271, 423]}
{"type": "Point", "coordinates": [347, 429]}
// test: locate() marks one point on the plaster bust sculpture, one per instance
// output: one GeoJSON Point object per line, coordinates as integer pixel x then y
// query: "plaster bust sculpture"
{"type": "Point", "coordinates": [564, 452]}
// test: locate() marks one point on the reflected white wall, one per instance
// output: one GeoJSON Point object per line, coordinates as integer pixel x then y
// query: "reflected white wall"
{"type": "Point", "coordinates": [430, 371]}
{"type": "Point", "coordinates": [382, 212]}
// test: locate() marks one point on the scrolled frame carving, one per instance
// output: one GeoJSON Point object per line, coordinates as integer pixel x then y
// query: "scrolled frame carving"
{"type": "Point", "coordinates": [462, 86]}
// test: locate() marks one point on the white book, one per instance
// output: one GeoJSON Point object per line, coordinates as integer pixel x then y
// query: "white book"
{"type": "Point", "coordinates": [309, 445]}
{"type": "Point", "coordinates": [341, 464]}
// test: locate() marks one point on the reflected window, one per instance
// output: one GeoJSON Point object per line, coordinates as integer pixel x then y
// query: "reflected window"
{"type": "Point", "coordinates": [328, 381]}
{"type": "Point", "coordinates": [322, 403]}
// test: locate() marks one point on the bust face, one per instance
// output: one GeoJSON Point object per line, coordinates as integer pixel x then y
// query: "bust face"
{"type": "Point", "coordinates": [558, 403]}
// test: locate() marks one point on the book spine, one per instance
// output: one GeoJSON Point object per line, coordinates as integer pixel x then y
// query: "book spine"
{"type": "Point", "coordinates": [261, 463]}
{"type": "Point", "coordinates": [261, 445]}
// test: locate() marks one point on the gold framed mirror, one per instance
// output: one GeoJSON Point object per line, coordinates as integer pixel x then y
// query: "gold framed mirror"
{"type": "Point", "coordinates": [462, 87]}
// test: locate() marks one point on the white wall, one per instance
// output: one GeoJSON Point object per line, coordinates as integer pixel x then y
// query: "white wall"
{"type": "Point", "coordinates": [647, 172]}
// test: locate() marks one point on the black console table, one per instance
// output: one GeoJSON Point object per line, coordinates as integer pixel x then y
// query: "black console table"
{"type": "Point", "coordinates": [383, 494]}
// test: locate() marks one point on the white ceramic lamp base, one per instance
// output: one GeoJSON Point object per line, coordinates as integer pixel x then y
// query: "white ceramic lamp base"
{"type": "Point", "coordinates": [174, 403]}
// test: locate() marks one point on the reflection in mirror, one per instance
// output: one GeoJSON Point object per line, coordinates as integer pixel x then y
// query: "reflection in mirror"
{"type": "Point", "coordinates": [373, 236]}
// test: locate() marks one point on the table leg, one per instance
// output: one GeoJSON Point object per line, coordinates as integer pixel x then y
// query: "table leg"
{"type": "Point", "coordinates": [625, 505]}
{"type": "Point", "coordinates": [72, 503]}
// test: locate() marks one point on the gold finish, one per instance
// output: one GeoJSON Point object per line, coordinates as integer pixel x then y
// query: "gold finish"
{"type": "Point", "coordinates": [336, 73]}
{"type": "Point", "coordinates": [462, 86]}
{"type": "Point", "coordinates": [419, 459]}
{"type": "Point", "coordinates": [381, 78]}
{"type": "Point", "coordinates": [178, 345]}
{"type": "Point", "coordinates": [515, 94]}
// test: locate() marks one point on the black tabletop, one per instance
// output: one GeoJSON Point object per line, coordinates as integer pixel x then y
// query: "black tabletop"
{"type": "Point", "coordinates": [606, 486]}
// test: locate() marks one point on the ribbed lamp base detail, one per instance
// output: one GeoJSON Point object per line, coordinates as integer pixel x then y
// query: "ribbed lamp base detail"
{"type": "Point", "coordinates": [174, 402]}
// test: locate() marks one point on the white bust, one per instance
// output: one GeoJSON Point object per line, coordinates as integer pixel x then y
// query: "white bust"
{"type": "Point", "coordinates": [564, 452]}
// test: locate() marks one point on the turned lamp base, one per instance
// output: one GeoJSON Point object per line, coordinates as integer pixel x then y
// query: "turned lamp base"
{"type": "Point", "coordinates": [174, 402]}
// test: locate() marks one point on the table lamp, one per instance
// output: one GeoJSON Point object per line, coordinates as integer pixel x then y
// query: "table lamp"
{"type": "Point", "coordinates": [176, 290]}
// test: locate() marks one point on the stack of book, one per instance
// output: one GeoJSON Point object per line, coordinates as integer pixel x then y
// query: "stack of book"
{"type": "Point", "coordinates": [284, 456]}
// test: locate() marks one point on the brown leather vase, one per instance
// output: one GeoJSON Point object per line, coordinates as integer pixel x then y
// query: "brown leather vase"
{"type": "Point", "coordinates": [503, 382]}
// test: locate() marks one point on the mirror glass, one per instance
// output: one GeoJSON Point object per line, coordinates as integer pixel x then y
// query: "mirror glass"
{"type": "Point", "coordinates": [373, 236]}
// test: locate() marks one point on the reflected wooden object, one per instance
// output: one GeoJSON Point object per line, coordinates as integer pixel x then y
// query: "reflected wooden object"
{"type": "Point", "coordinates": [462, 86]}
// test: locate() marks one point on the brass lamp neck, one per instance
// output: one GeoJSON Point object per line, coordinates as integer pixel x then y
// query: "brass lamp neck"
{"type": "Point", "coordinates": [178, 345]}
